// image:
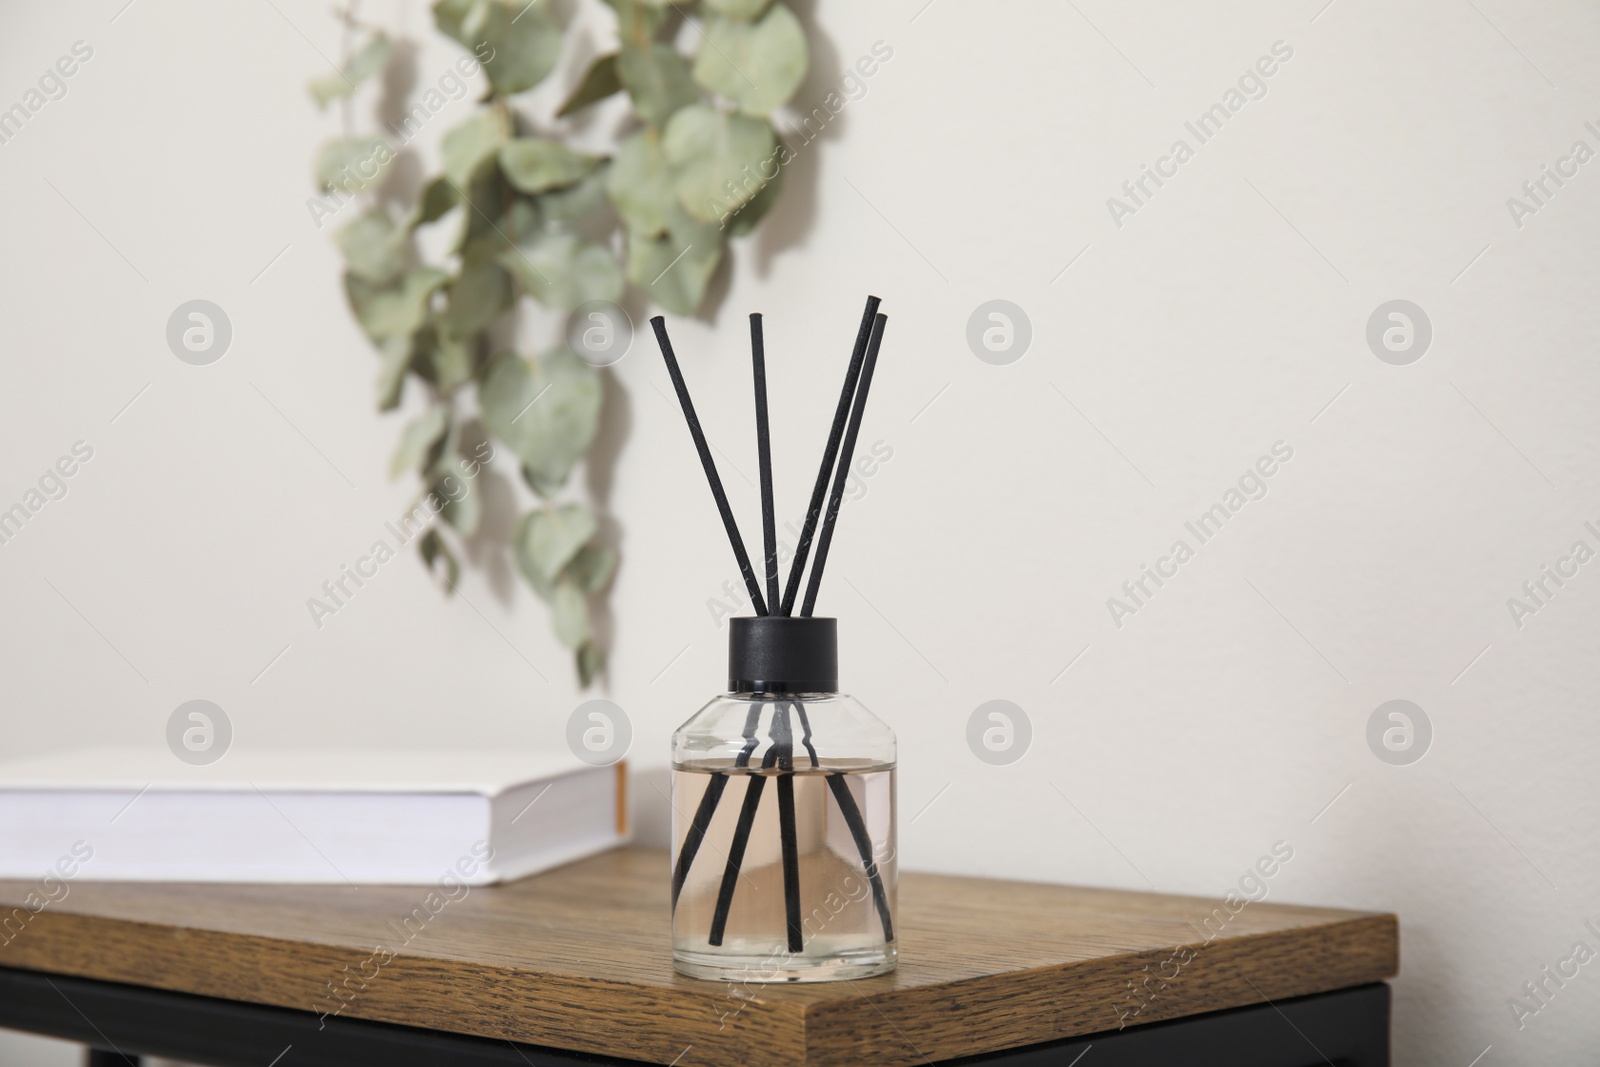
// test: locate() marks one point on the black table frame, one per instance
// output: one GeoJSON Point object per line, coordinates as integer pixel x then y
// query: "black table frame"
{"type": "Point", "coordinates": [1345, 1028]}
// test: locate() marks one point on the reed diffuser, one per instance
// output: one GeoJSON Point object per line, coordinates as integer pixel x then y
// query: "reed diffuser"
{"type": "Point", "coordinates": [801, 887]}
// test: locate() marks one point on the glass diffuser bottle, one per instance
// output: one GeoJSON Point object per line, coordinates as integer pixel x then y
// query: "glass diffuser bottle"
{"type": "Point", "coordinates": [783, 788]}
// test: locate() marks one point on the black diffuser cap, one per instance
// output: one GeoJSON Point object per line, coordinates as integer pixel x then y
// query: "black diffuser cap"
{"type": "Point", "coordinates": [783, 654]}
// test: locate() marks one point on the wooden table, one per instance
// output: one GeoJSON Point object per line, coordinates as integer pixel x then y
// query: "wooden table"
{"type": "Point", "coordinates": [578, 961]}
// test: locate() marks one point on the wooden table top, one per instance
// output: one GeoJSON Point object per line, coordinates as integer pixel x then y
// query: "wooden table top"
{"type": "Point", "coordinates": [580, 958]}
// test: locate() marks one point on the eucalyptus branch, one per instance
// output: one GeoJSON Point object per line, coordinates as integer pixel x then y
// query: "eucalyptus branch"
{"type": "Point", "coordinates": [688, 174]}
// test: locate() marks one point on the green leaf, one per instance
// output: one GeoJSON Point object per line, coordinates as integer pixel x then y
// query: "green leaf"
{"type": "Point", "coordinates": [462, 507]}
{"type": "Point", "coordinates": [671, 270]}
{"type": "Point", "coordinates": [472, 144]}
{"type": "Point", "coordinates": [534, 164]}
{"type": "Point", "coordinates": [525, 45]}
{"type": "Point", "coordinates": [365, 63]}
{"type": "Point", "coordinates": [552, 538]}
{"type": "Point", "coordinates": [592, 567]}
{"type": "Point", "coordinates": [351, 164]}
{"type": "Point", "coordinates": [434, 550]}
{"type": "Point", "coordinates": [396, 309]}
{"type": "Point", "coordinates": [541, 584]}
{"type": "Point", "coordinates": [395, 353]}
{"type": "Point", "coordinates": [758, 65]}
{"type": "Point", "coordinates": [599, 82]}
{"type": "Point", "coordinates": [476, 297]}
{"type": "Point", "coordinates": [638, 21]}
{"type": "Point", "coordinates": [373, 246]}
{"type": "Point", "coordinates": [448, 362]}
{"type": "Point", "coordinates": [418, 438]}
{"type": "Point", "coordinates": [639, 184]}
{"type": "Point", "coordinates": [744, 220]}
{"type": "Point", "coordinates": [737, 9]}
{"type": "Point", "coordinates": [436, 201]}
{"type": "Point", "coordinates": [460, 20]}
{"type": "Point", "coordinates": [570, 610]}
{"type": "Point", "coordinates": [582, 200]}
{"type": "Point", "coordinates": [545, 412]}
{"type": "Point", "coordinates": [485, 203]}
{"type": "Point", "coordinates": [591, 661]}
{"type": "Point", "coordinates": [560, 270]}
{"type": "Point", "coordinates": [658, 80]}
{"type": "Point", "coordinates": [539, 484]}
{"type": "Point", "coordinates": [716, 159]}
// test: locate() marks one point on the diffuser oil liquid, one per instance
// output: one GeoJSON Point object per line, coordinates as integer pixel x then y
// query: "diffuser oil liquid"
{"type": "Point", "coordinates": [738, 917]}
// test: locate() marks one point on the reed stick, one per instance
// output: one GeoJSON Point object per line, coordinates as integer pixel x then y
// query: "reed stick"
{"type": "Point", "coordinates": [858, 831]}
{"type": "Point", "coordinates": [769, 524]}
{"type": "Point", "coordinates": [736, 848]}
{"type": "Point", "coordinates": [708, 807]}
{"type": "Point", "coordinates": [842, 471]}
{"type": "Point", "coordinates": [710, 466]}
{"type": "Point", "coordinates": [830, 454]}
{"type": "Point", "coordinates": [783, 739]}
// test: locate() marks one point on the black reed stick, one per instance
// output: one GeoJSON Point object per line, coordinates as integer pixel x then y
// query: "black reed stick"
{"type": "Point", "coordinates": [847, 450]}
{"type": "Point", "coordinates": [855, 823]}
{"type": "Point", "coordinates": [708, 805]}
{"type": "Point", "coordinates": [736, 848]}
{"type": "Point", "coordinates": [769, 526]}
{"type": "Point", "coordinates": [805, 727]}
{"type": "Point", "coordinates": [830, 455]}
{"type": "Point", "coordinates": [783, 740]}
{"type": "Point", "coordinates": [858, 831]}
{"type": "Point", "coordinates": [660, 325]}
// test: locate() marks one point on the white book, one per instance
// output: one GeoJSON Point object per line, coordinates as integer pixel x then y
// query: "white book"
{"type": "Point", "coordinates": [366, 818]}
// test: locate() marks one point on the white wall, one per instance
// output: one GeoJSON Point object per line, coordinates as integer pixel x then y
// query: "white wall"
{"type": "Point", "coordinates": [1222, 317]}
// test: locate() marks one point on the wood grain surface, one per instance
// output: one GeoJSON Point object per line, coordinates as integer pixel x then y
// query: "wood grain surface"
{"type": "Point", "coordinates": [580, 958]}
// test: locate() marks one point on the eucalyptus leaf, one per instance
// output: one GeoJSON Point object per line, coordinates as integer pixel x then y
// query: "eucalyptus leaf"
{"type": "Point", "coordinates": [462, 507]}
{"type": "Point", "coordinates": [580, 201]}
{"type": "Point", "coordinates": [373, 246]}
{"type": "Point", "coordinates": [552, 538]}
{"type": "Point", "coordinates": [446, 361]}
{"type": "Point", "coordinates": [738, 9]}
{"type": "Point", "coordinates": [592, 567]}
{"type": "Point", "coordinates": [560, 270]}
{"type": "Point", "coordinates": [539, 484]}
{"type": "Point", "coordinates": [545, 412]}
{"type": "Point", "coordinates": [351, 164]}
{"type": "Point", "coordinates": [524, 42]}
{"type": "Point", "coordinates": [758, 65]}
{"type": "Point", "coordinates": [434, 551]}
{"type": "Point", "coordinates": [365, 63]}
{"type": "Point", "coordinates": [717, 160]}
{"type": "Point", "coordinates": [453, 17]}
{"type": "Point", "coordinates": [419, 436]}
{"type": "Point", "coordinates": [640, 185]}
{"type": "Point", "coordinates": [569, 609]}
{"type": "Point", "coordinates": [485, 204]}
{"type": "Point", "coordinates": [591, 661]}
{"type": "Point", "coordinates": [476, 297]}
{"type": "Point", "coordinates": [396, 309]}
{"type": "Point", "coordinates": [657, 79]}
{"type": "Point", "coordinates": [637, 21]}
{"type": "Point", "coordinates": [542, 585]}
{"type": "Point", "coordinates": [436, 201]}
{"type": "Point", "coordinates": [395, 355]}
{"type": "Point", "coordinates": [744, 220]}
{"type": "Point", "coordinates": [472, 144]}
{"type": "Point", "coordinates": [672, 272]}
{"type": "Point", "coordinates": [535, 164]}
{"type": "Point", "coordinates": [599, 82]}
